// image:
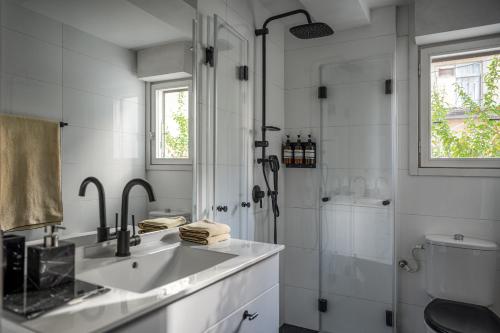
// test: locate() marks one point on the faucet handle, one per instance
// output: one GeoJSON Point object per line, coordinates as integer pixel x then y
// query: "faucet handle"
{"type": "Point", "coordinates": [133, 225]}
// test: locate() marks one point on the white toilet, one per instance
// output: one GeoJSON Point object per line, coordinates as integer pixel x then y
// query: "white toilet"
{"type": "Point", "coordinates": [461, 279]}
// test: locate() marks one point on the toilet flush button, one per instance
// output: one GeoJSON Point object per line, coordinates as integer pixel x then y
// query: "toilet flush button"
{"type": "Point", "coordinates": [458, 237]}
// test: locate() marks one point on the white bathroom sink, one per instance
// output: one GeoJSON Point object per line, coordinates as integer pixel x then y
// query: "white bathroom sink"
{"type": "Point", "coordinates": [150, 271]}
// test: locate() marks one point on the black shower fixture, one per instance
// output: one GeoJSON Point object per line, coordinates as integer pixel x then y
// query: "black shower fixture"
{"type": "Point", "coordinates": [304, 31]}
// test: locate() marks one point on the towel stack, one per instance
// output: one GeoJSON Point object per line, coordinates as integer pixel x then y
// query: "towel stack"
{"type": "Point", "coordinates": [205, 232]}
{"type": "Point", "coordinates": [161, 223]}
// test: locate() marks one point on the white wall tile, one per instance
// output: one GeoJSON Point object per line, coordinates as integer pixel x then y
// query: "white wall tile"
{"type": "Point", "coordinates": [302, 108]}
{"type": "Point", "coordinates": [23, 20]}
{"type": "Point", "coordinates": [403, 147]}
{"type": "Point", "coordinates": [466, 197]}
{"type": "Point", "coordinates": [402, 101]}
{"type": "Point", "coordinates": [402, 58]}
{"type": "Point", "coordinates": [301, 307]}
{"type": "Point", "coordinates": [44, 99]}
{"type": "Point", "coordinates": [172, 184]}
{"type": "Point", "coordinates": [92, 75]}
{"type": "Point", "coordinates": [304, 275]}
{"type": "Point", "coordinates": [402, 20]}
{"type": "Point", "coordinates": [82, 42]}
{"type": "Point", "coordinates": [302, 188]}
{"type": "Point", "coordinates": [411, 318]}
{"type": "Point", "coordinates": [301, 228]}
{"type": "Point", "coordinates": [32, 58]}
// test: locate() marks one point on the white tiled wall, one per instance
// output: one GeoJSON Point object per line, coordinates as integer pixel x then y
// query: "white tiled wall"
{"type": "Point", "coordinates": [53, 71]}
{"type": "Point", "coordinates": [433, 204]}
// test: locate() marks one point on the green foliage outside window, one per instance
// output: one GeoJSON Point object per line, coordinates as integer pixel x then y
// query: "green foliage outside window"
{"type": "Point", "coordinates": [480, 137]}
{"type": "Point", "coordinates": [178, 146]}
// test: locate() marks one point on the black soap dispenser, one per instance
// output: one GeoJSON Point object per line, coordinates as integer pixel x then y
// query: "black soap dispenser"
{"type": "Point", "coordinates": [51, 264]}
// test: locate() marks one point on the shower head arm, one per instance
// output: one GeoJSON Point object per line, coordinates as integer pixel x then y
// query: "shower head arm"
{"type": "Point", "coordinates": [290, 13]}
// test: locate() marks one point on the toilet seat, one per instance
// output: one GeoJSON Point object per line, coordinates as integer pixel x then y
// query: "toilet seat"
{"type": "Point", "coordinates": [444, 316]}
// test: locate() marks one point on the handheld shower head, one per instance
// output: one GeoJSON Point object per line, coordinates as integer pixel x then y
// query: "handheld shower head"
{"type": "Point", "coordinates": [311, 30]}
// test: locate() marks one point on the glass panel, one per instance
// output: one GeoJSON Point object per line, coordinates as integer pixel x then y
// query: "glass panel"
{"type": "Point", "coordinates": [231, 130]}
{"type": "Point", "coordinates": [465, 106]}
{"type": "Point", "coordinates": [357, 229]}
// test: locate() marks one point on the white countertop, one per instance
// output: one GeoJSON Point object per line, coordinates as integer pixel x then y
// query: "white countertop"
{"type": "Point", "coordinates": [116, 307]}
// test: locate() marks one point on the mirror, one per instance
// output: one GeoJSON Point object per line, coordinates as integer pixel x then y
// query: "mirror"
{"type": "Point", "coordinates": [119, 74]}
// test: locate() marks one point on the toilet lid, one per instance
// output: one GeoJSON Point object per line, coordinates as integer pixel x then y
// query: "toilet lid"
{"type": "Point", "coordinates": [445, 316]}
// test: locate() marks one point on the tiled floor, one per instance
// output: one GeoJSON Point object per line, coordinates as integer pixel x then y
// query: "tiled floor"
{"type": "Point", "coordinates": [294, 329]}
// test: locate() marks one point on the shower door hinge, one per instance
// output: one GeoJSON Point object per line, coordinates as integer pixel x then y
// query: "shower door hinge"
{"type": "Point", "coordinates": [322, 305]}
{"type": "Point", "coordinates": [388, 87]}
{"type": "Point", "coordinates": [389, 318]}
{"type": "Point", "coordinates": [209, 56]}
{"type": "Point", "coordinates": [322, 93]}
{"type": "Point", "coordinates": [243, 73]}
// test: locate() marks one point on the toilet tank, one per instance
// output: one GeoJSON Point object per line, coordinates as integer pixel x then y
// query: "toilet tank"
{"type": "Point", "coordinates": [460, 268]}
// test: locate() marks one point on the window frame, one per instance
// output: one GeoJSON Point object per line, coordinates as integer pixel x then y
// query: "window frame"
{"type": "Point", "coordinates": [153, 163]}
{"type": "Point", "coordinates": [447, 166]}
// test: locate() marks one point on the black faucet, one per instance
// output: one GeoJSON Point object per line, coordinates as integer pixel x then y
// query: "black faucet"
{"type": "Point", "coordinates": [123, 235]}
{"type": "Point", "coordinates": [102, 230]}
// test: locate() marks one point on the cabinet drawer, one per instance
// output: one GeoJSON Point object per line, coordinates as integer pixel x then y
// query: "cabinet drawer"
{"type": "Point", "coordinates": [265, 310]}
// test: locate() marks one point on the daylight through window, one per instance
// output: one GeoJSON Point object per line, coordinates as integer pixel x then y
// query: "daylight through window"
{"type": "Point", "coordinates": [465, 106]}
{"type": "Point", "coordinates": [172, 123]}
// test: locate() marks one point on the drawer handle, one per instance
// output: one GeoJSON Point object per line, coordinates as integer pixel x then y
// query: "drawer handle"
{"type": "Point", "coordinates": [249, 316]}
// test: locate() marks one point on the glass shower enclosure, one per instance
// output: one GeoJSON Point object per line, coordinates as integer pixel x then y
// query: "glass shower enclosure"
{"type": "Point", "coordinates": [357, 209]}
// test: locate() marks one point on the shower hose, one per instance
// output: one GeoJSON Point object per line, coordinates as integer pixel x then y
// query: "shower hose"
{"type": "Point", "coordinates": [274, 166]}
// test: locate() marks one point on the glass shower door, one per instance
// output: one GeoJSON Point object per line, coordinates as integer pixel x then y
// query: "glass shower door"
{"type": "Point", "coordinates": [357, 219]}
{"type": "Point", "coordinates": [231, 129]}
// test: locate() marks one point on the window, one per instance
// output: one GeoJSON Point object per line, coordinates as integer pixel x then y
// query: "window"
{"type": "Point", "coordinates": [170, 123]}
{"type": "Point", "coordinates": [459, 119]}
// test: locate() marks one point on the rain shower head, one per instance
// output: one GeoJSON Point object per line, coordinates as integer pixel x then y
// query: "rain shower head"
{"type": "Point", "coordinates": [311, 30]}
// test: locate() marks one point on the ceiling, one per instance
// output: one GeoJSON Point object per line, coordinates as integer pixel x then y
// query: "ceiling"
{"type": "Point", "coordinates": [131, 24]}
{"type": "Point", "coordinates": [339, 14]}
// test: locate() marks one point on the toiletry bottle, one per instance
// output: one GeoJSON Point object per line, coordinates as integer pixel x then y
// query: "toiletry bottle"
{"type": "Point", "coordinates": [298, 152]}
{"type": "Point", "coordinates": [287, 152]}
{"type": "Point", "coordinates": [309, 152]}
{"type": "Point", "coordinates": [52, 263]}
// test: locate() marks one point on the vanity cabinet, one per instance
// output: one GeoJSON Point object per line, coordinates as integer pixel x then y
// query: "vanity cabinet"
{"type": "Point", "coordinates": [219, 308]}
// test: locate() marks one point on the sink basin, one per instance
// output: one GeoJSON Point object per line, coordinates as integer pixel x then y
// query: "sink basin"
{"type": "Point", "coordinates": [144, 273]}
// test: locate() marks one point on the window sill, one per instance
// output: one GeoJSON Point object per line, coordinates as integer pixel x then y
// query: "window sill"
{"type": "Point", "coordinates": [455, 172]}
{"type": "Point", "coordinates": [170, 167]}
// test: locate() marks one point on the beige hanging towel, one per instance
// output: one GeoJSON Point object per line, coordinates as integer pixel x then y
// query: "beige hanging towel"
{"type": "Point", "coordinates": [30, 173]}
